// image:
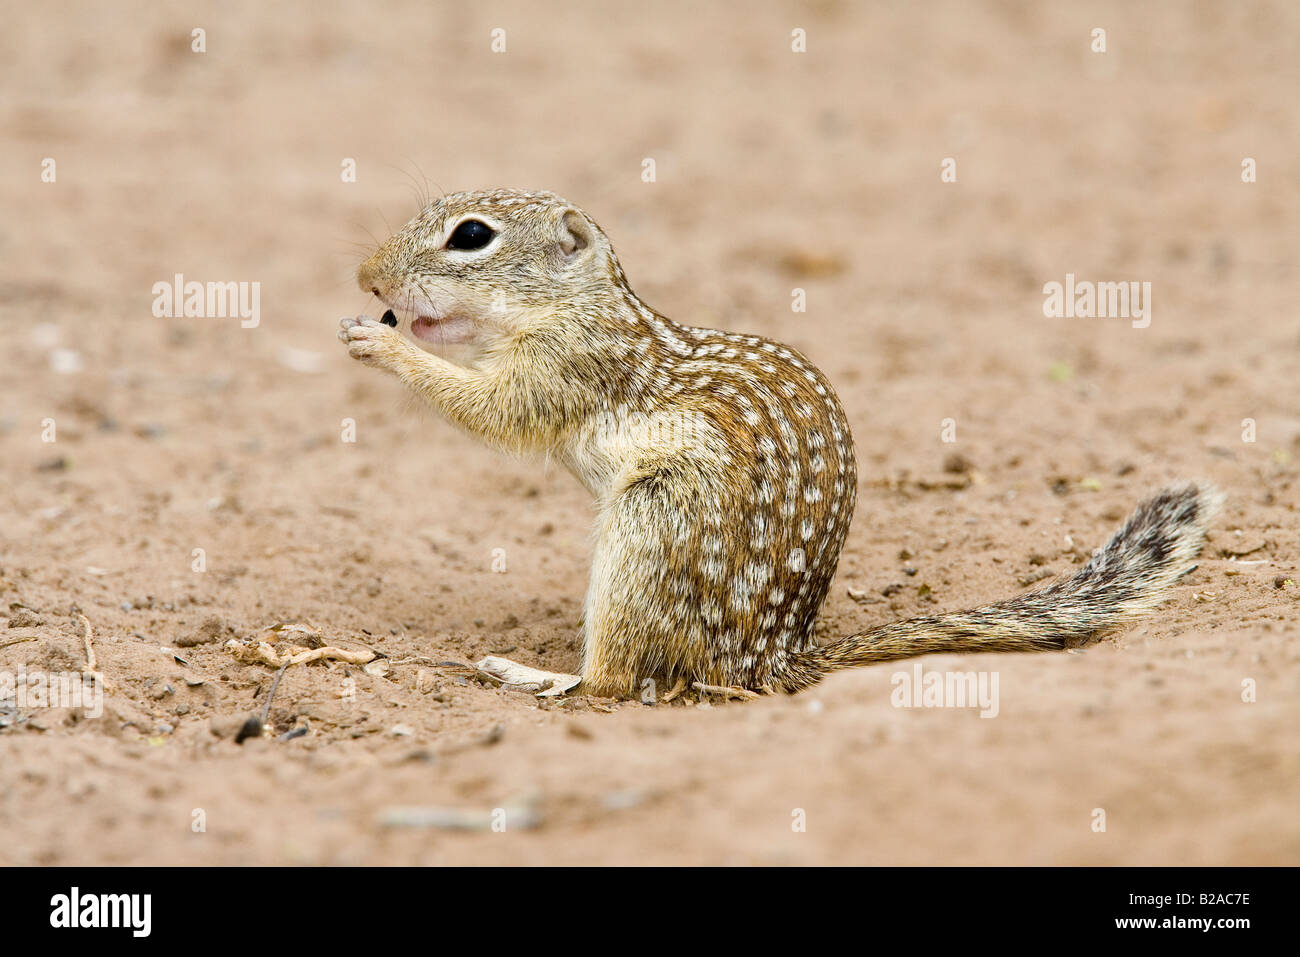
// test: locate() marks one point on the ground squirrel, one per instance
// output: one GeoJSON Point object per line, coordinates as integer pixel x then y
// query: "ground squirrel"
{"type": "Point", "coordinates": [722, 464]}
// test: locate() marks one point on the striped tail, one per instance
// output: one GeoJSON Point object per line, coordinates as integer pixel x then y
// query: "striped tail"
{"type": "Point", "coordinates": [1129, 576]}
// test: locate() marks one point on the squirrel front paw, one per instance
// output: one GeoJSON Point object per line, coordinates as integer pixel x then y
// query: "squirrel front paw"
{"type": "Point", "coordinates": [369, 340]}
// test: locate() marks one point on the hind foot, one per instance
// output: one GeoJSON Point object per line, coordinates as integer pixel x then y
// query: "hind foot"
{"type": "Point", "coordinates": [519, 677]}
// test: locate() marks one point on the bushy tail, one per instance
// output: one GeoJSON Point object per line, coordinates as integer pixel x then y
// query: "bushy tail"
{"type": "Point", "coordinates": [1154, 548]}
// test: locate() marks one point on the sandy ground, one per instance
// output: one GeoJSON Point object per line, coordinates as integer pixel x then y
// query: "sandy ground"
{"type": "Point", "coordinates": [775, 170]}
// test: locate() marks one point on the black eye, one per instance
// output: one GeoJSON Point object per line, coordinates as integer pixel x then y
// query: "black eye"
{"type": "Point", "coordinates": [471, 234]}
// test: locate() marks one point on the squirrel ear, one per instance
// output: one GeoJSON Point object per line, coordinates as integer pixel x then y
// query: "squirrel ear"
{"type": "Point", "coordinates": [576, 234]}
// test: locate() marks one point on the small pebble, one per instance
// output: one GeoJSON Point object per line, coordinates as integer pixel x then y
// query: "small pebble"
{"type": "Point", "coordinates": [252, 728]}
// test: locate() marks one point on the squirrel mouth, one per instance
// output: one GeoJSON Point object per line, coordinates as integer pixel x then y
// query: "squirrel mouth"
{"type": "Point", "coordinates": [446, 330]}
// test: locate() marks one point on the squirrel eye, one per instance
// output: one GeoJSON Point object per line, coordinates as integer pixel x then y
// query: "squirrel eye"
{"type": "Point", "coordinates": [470, 234]}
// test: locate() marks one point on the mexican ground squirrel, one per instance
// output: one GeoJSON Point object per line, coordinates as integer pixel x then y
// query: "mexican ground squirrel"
{"type": "Point", "coordinates": [722, 464]}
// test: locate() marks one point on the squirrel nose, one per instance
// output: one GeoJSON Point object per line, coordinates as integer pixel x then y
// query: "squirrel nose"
{"type": "Point", "coordinates": [368, 276]}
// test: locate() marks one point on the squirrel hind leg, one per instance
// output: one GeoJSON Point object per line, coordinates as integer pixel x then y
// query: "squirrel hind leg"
{"type": "Point", "coordinates": [646, 615]}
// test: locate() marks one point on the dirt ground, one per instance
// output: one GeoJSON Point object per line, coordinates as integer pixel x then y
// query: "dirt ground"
{"type": "Point", "coordinates": [774, 170]}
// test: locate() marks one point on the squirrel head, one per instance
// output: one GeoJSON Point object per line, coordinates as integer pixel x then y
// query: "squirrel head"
{"type": "Point", "coordinates": [483, 267]}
